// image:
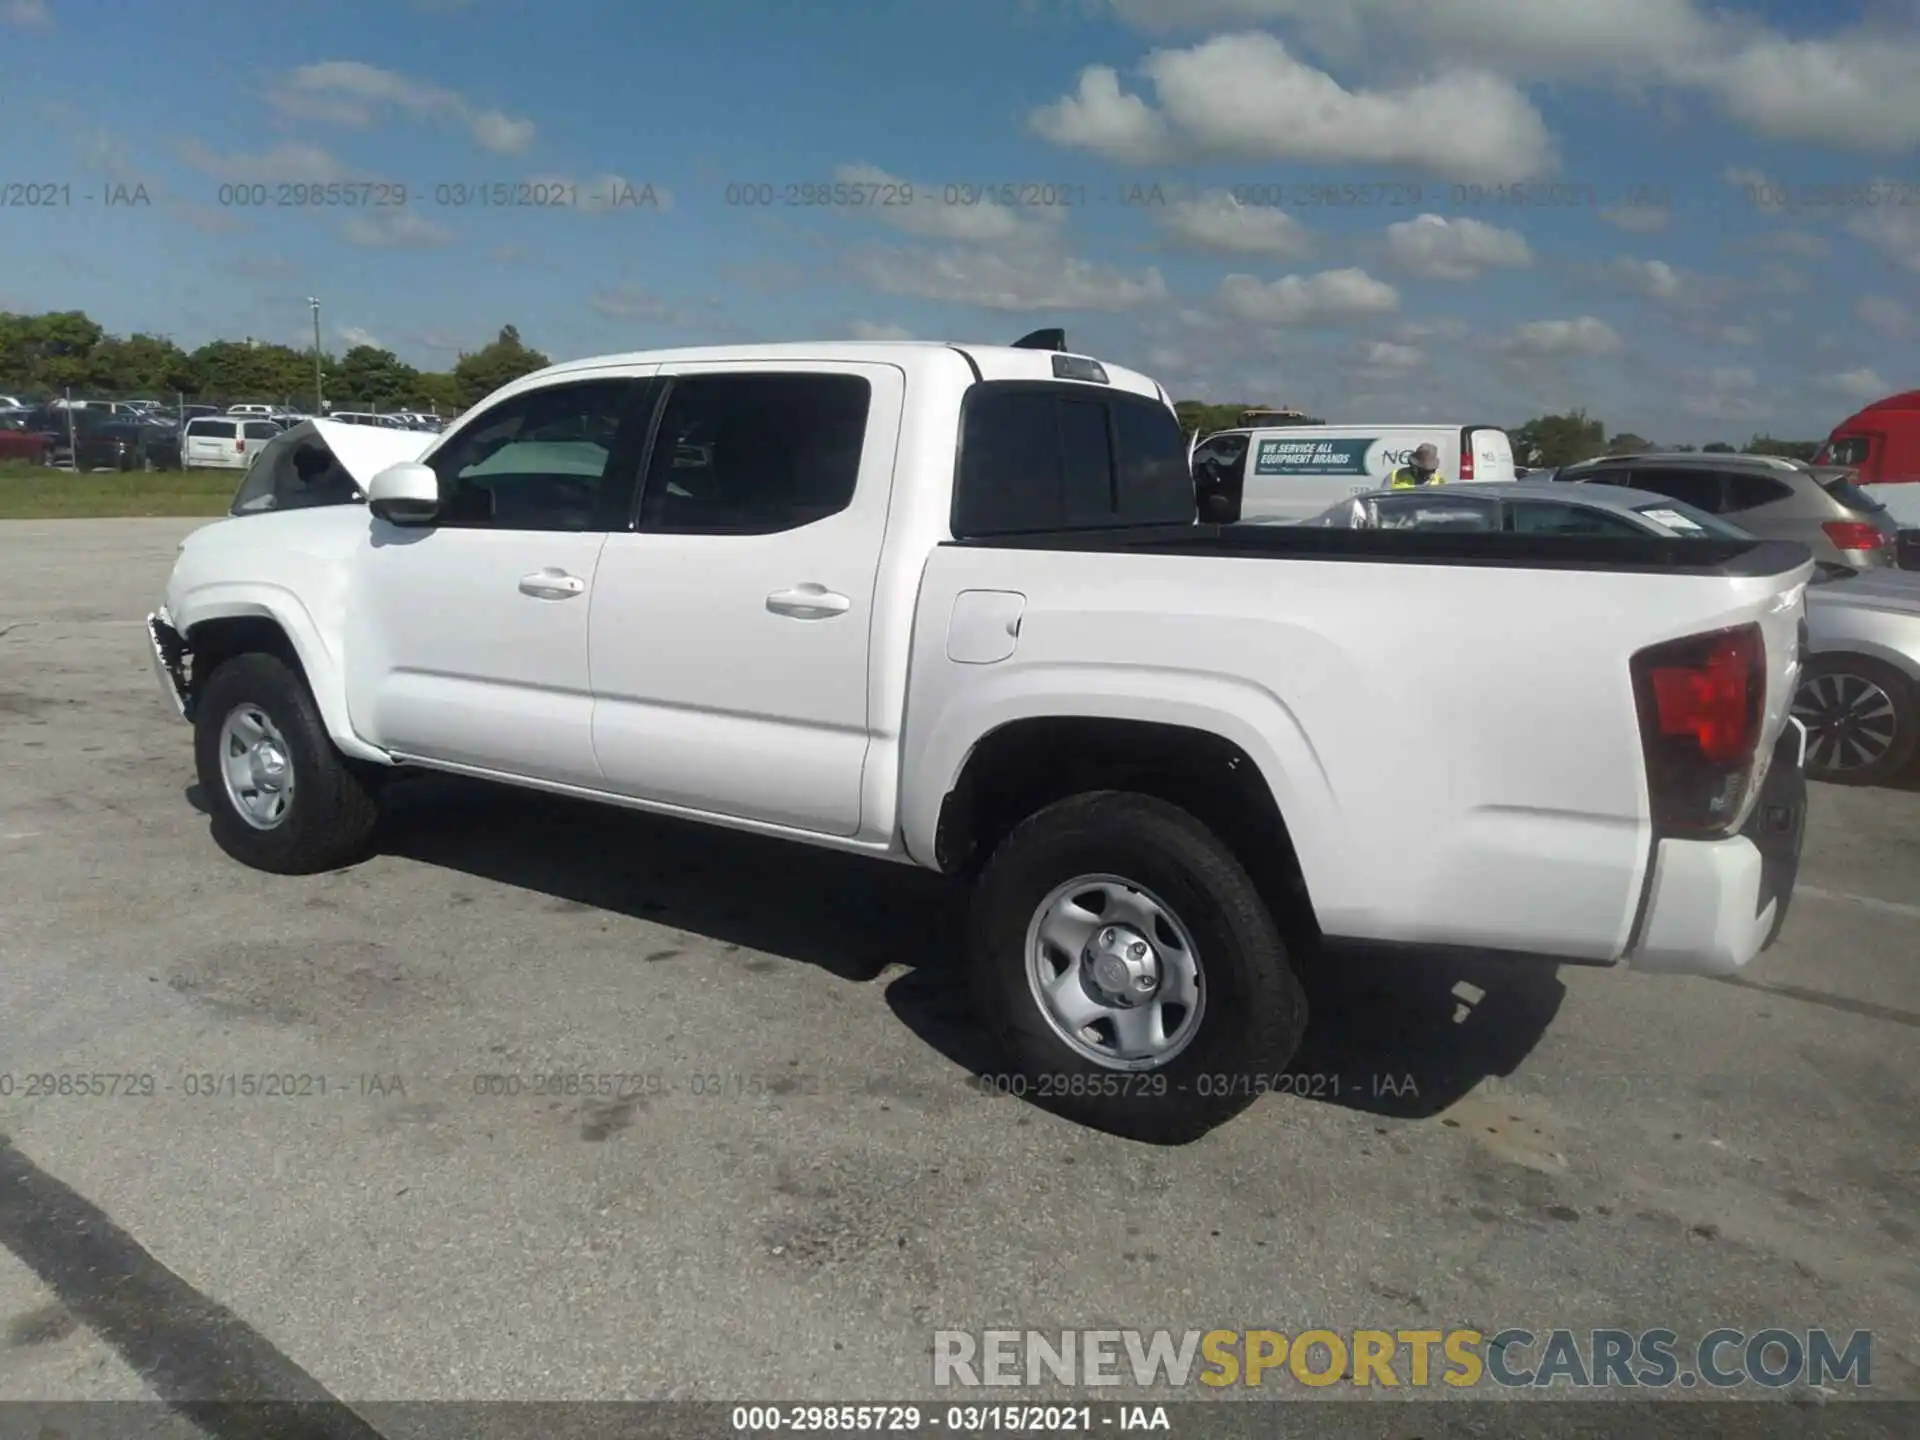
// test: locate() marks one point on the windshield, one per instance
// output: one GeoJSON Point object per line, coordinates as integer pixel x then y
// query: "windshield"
{"type": "Point", "coordinates": [1690, 523]}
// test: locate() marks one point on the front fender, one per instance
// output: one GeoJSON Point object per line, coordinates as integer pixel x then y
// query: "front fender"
{"type": "Point", "coordinates": [256, 599]}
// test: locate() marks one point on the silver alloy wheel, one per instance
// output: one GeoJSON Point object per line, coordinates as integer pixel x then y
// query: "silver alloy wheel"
{"type": "Point", "coordinates": [1115, 973]}
{"type": "Point", "coordinates": [256, 767]}
{"type": "Point", "coordinates": [1851, 722]}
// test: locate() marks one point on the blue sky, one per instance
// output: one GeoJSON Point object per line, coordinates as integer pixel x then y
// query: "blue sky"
{"type": "Point", "coordinates": [1463, 209]}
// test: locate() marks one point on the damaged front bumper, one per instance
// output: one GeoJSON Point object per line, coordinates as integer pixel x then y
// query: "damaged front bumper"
{"type": "Point", "coordinates": [170, 661]}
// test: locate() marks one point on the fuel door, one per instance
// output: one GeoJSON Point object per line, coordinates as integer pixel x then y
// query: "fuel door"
{"type": "Point", "coordinates": [985, 626]}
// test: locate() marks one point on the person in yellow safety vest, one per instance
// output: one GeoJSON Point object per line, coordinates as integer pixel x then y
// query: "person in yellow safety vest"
{"type": "Point", "coordinates": [1423, 469]}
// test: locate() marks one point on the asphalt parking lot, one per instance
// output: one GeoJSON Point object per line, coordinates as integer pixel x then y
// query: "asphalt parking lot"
{"type": "Point", "coordinates": [817, 1184]}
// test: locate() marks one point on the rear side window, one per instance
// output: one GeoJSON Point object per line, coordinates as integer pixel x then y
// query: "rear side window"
{"type": "Point", "coordinates": [262, 430]}
{"type": "Point", "coordinates": [212, 429]}
{"type": "Point", "coordinates": [1699, 488]}
{"type": "Point", "coordinates": [1845, 492]}
{"type": "Point", "coordinates": [1745, 492]}
{"type": "Point", "coordinates": [755, 454]}
{"type": "Point", "coordinates": [1042, 457]}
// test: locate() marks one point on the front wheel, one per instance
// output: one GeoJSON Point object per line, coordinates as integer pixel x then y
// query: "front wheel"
{"type": "Point", "coordinates": [282, 799]}
{"type": "Point", "coordinates": [1130, 970]}
{"type": "Point", "coordinates": [1862, 718]}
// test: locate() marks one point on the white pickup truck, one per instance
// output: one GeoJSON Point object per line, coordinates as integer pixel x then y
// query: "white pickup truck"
{"type": "Point", "coordinates": [948, 605]}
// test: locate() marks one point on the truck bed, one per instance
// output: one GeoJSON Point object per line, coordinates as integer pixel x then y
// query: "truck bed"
{"type": "Point", "coordinates": [1731, 558]}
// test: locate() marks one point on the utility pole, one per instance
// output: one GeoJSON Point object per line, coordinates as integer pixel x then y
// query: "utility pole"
{"type": "Point", "coordinates": [319, 401]}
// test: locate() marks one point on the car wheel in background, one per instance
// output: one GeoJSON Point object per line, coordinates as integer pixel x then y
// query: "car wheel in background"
{"type": "Point", "coordinates": [1130, 970]}
{"type": "Point", "coordinates": [1862, 718]}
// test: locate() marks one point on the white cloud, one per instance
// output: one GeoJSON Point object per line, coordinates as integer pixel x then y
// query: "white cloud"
{"type": "Point", "coordinates": [1886, 316]}
{"type": "Point", "coordinates": [1586, 337]}
{"type": "Point", "coordinates": [927, 214]}
{"type": "Point", "coordinates": [1648, 279]}
{"type": "Point", "coordinates": [354, 335]}
{"type": "Point", "coordinates": [872, 330]}
{"type": "Point", "coordinates": [1637, 219]}
{"type": "Point", "coordinates": [1893, 230]}
{"type": "Point", "coordinates": [394, 230]}
{"type": "Point", "coordinates": [1331, 297]}
{"type": "Point", "coordinates": [1436, 248]}
{"type": "Point", "coordinates": [1010, 280]}
{"type": "Point", "coordinates": [1384, 360]}
{"type": "Point", "coordinates": [291, 163]}
{"type": "Point", "coordinates": [1852, 91]}
{"type": "Point", "coordinates": [1217, 222]}
{"type": "Point", "coordinates": [1850, 87]}
{"type": "Point", "coordinates": [1100, 117]}
{"type": "Point", "coordinates": [357, 95]}
{"type": "Point", "coordinates": [1246, 96]}
{"type": "Point", "coordinates": [27, 14]}
{"type": "Point", "coordinates": [1861, 385]}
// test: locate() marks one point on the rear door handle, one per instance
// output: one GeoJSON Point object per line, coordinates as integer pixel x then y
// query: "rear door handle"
{"type": "Point", "coordinates": [808, 602]}
{"type": "Point", "coordinates": [551, 584]}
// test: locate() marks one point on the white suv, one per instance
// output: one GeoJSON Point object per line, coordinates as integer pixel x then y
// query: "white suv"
{"type": "Point", "coordinates": [224, 442]}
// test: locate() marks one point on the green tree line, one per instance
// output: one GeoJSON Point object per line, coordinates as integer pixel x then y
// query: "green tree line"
{"type": "Point", "coordinates": [42, 356]}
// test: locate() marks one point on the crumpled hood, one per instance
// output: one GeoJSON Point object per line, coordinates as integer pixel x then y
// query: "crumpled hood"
{"type": "Point", "coordinates": [365, 450]}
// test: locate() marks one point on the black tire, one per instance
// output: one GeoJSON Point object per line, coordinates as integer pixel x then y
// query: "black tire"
{"type": "Point", "coordinates": [330, 819]}
{"type": "Point", "coordinates": [1827, 761]}
{"type": "Point", "coordinates": [1254, 1011]}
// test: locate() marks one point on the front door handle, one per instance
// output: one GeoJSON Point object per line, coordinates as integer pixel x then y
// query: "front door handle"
{"type": "Point", "coordinates": [808, 602]}
{"type": "Point", "coordinates": [551, 584]}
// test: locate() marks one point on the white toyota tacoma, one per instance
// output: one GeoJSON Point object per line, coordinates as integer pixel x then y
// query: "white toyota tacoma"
{"type": "Point", "coordinates": [949, 606]}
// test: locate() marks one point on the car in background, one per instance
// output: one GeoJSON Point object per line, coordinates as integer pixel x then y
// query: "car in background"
{"type": "Point", "coordinates": [13, 402]}
{"type": "Point", "coordinates": [1860, 694]}
{"type": "Point", "coordinates": [19, 440]}
{"type": "Point", "coordinates": [125, 444]}
{"type": "Point", "coordinates": [1521, 508]}
{"type": "Point", "coordinates": [1859, 690]}
{"type": "Point", "coordinates": [1292, 472]}
{"type": "Point", "coordinates": [263, 411]}
{"type": "Point", "coordinates": [366, 417]}
{"type": "Point", "coordinates": [1767, 496]}
{"type": "Point", "coordinates": [224, 442]}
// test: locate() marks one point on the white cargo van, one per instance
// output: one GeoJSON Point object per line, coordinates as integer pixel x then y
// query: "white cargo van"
{"type": "Point", "coordinates": [1298, 471]}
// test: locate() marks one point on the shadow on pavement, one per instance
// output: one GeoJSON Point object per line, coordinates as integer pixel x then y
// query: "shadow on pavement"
{"type": "Point", "coordinates": [1392, 1033]}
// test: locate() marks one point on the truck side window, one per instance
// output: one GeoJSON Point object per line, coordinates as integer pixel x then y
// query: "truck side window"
{"type": "Point", "coordinates": [1042, 457]}
{"type": "Point", "coordinates": [755, 454]}
{"type": "Point", "coordinates": [543, 460]}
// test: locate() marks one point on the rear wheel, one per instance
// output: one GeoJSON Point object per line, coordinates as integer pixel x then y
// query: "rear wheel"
{"type": "Point", "coordinates": [282, 799]}
{"type": "Point", "coordinates": [1862, 718]}
{"type": "Point", "coordinates": [1130, 970]}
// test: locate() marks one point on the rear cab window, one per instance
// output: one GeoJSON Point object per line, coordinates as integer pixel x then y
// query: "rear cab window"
{"type": "Point", "coordinates": [1037, 456]}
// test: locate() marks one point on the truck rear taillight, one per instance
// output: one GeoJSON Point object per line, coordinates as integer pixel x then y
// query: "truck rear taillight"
{"type": "Point", "coordinates": [1701, 702]}
{"type": "Point", "coordinates": [1854, 535]}
{"type": "Point", "coordinates": [1466, 461]}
